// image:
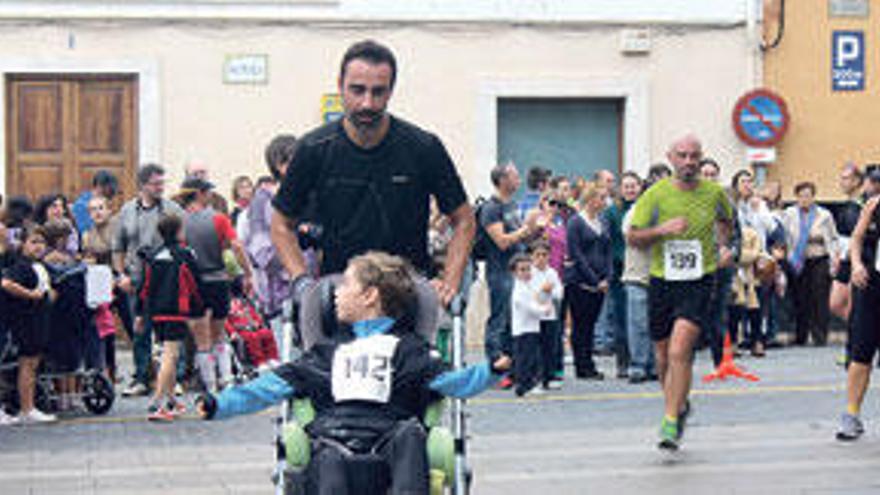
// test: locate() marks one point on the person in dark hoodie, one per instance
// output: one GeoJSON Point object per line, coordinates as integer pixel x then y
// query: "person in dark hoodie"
{"type": "Point", "coordinates": [370, 389]}
{"type": "Point", "coordinates": [168, 297]}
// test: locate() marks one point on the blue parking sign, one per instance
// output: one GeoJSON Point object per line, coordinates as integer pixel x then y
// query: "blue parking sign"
{"type": "Point", "coordinates": [848, 61]}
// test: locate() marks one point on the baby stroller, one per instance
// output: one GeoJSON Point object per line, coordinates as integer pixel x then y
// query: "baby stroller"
{"type": "Point", "coordinates": [315, 322]}
{"type": "Point", "coordinates": [252, 341]}
{"type": "Point", "coordinates": [73, 344]}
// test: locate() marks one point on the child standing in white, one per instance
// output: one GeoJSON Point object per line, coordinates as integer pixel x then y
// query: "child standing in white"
{"type": "Point", "coordinates": [546, 283]}
{"type": "Point", "coordinates": [527, 309]}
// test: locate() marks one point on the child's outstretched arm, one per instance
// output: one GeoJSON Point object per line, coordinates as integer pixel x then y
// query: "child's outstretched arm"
{"type": "Point", "coordinates": [267, 390]}
{"type": "Point", "coordinates": [471, 380]}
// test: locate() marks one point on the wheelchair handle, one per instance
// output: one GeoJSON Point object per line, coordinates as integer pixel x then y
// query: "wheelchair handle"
{"type": "Point", "coordinates": [457, 305]}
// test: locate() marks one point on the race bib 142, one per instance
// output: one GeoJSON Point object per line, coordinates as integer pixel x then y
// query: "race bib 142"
{"type": "Point", "coordinates": [362, 369]}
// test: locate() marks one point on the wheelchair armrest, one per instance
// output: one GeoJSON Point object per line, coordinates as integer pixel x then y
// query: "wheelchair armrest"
{"type": "Point", "coordinates": [434, 414]}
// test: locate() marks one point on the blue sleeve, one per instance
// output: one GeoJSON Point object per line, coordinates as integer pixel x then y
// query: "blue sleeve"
{"type": "Point", "coordinates": [267, 390]}
{"type": "Point", "coordinates": [464, 383]}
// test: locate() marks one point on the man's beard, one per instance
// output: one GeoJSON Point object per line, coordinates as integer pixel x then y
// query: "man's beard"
{"type": "Point", "coordinates": [366, 119]}
{"type": "Point", "coordinates": [689, 175]}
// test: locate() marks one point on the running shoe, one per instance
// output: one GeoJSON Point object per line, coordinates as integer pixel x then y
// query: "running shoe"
{"type": "Point", "coordinates": [135, 389]}
{"type": "Point", "coordinates": [554, 384]}
{"type": "Point", "coordinates": [178, 390]}
{"type": "Point", "coordinates": [669, 435]}
{"type": "Point", "coordinates": [35, 416]}
{"type": "Point", "coordinates": [590, 375]}
{"type": "Point", "coordinates": [683, 417]}
{"type": "Point", "coordinates": [6, 419]}
{"type": "Point", "coordinates": [851, 428]}
{"type": "Point", "coordinates": [160, 414]}
{"type": "Point", "coordinates": [176, 407]}
{"type": "Point", "coordinates": [505, 383]}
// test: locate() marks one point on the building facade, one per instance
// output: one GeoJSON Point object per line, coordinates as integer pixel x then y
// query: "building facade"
{"type": "Point", "coordinates": [825, 64]}
{"type": "Point", "coordinates": [575, 86]}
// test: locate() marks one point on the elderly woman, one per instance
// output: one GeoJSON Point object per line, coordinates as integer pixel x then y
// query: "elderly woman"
{"type": "Point", "coordinates": [811, 236]}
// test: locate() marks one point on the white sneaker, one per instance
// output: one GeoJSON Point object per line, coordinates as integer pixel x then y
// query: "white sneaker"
{"type": "Point", "coordinates": [554, 385]}
{"type": "Point", "coordinates": [136, 389]}
{"type": "Point", "coordinates": [35, 416]}
{"type": "Point", "coordinates": [6, 419]}
{"type": "Point", "coordinates": [178, 390]}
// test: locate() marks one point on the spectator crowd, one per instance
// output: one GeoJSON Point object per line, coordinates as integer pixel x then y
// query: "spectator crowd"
{"type": "Point", "coordinates": [196, 278]}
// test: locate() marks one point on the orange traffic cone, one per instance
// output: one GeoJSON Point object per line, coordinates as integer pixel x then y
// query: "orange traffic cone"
{"type": "Point", "coordinates": [728, 367]}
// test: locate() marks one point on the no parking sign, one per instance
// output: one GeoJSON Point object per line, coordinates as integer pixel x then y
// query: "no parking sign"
{"type": "Point", "coordinates": [760, 118]}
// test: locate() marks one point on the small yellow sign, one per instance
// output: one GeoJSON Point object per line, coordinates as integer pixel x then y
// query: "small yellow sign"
{"type": "Point", "coordinates": [331, 107]}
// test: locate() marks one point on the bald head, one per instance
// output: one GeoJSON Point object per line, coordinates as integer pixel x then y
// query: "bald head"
{"type": "Point", "coordinates": [196, 168]}
{"type": "Point", "coordinates": [684, 155]}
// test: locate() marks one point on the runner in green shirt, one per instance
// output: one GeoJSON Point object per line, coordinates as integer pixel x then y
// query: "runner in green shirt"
{"type": "Point", "coordinates": [683, 219]}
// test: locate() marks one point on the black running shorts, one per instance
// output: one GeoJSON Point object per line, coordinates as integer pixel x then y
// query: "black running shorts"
{"type": "Point", "coordinates": [668, 301]}
{"type": "Point", "coordinates": [865, 338]}
{"type": "Point", "coordinates": [216, 297]}
{"type": "Point", "coordinates": [170, 330]}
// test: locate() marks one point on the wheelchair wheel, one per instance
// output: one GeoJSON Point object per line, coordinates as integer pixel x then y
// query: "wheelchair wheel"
{"type": "Point", "coordinates": [98, 394]}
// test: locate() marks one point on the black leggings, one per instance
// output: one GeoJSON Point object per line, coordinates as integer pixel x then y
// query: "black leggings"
{"type": "Point", "coordinates": [865, 320]}
{"type": "Point", "coordinates": [811, 289]}
{"type": "Point", "coordinates": [585, 307]}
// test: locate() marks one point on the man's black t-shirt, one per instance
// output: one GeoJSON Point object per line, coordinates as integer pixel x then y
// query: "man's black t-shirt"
{"type": "Point", "coordinates": [507, 213]}
{"type": "Point", "coordinates": [370, 199]}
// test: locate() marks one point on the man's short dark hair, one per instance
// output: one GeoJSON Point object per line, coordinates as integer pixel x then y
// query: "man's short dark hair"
{"type": "Point", "coordinates": [146, 172]}
{"type": "Point", "coordinates": [499, 172]}
{"type": "Point", "coordinates": [105, 179]}
{"type": "Point", "coordinates": [536, 176]}
{"type": "Point", "coordinates": [168, 227]}
{"type": "Point", "coordinates": [710, 162]}
{"type": "Point", "coordinates": [281, 149]}
{"type": "Point", "coordinates": [558, 179]}
{"type": "Point", "coordinates": [373, 53]}
{"type": "Point", "coordinates": [658, 169]}
{"type": "Point", "coordinates": [265, 179]}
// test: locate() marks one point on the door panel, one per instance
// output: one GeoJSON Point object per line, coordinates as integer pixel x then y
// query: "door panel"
{"type": "Point", "coordinates": [39, 179]}
{"type": "Point", "coordinates": [573, 137]}
{"type": "Point", "coordinates": [101, 115]}
{"type": "Point", "coordinates": [40, 118]}
{"type": "Point", "coordinates": [63, 129]}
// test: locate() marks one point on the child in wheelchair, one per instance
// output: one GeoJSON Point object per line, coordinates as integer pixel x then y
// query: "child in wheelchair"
{"type": "Point", "coordinates": [369, 389]}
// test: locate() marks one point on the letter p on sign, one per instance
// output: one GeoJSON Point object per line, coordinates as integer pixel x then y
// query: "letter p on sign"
{"type": "Point", "coordinates": [848, 49]}
{"type": "Point", "coordinates": [848, 61]}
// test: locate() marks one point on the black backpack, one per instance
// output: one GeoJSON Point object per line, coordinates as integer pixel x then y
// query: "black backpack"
{"type": "Point", "coordinates": [480, 247]}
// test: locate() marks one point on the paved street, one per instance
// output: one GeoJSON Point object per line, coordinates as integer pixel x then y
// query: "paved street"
{"type": "Point", "coordinates": [775, 436]}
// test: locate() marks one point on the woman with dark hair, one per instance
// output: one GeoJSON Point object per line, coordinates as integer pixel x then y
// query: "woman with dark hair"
{"type": "Point", "coordinates": [19, 209]}
{"type": "Point", "coordinates": [55, 207]}
{"type": "Point", "coordinates": [812, 239]}
{"type": "Point", "coordinates": [242, 193]}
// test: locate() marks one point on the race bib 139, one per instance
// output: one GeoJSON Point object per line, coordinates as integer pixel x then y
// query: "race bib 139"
{"type": "Point", "coordinates": [682, 260]}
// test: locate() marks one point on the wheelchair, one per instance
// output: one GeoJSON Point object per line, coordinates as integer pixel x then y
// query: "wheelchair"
{"type": "Point", "coordinates": [314, 321]}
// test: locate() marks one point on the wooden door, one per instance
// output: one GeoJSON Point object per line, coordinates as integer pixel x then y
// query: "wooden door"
{"type": "Point", "coordinates": [62, 129]}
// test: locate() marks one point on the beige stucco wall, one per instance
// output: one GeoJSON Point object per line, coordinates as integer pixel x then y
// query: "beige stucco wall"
{"type": "Point", "coordinates": [692, 77]}
{"type": "Point", "coordinates": [827, 128]}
